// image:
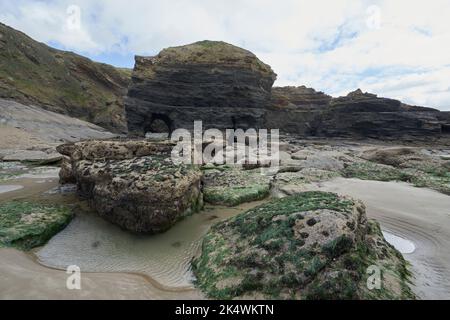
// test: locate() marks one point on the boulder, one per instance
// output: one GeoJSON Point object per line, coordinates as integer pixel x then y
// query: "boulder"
{"type": "Point", "coordinates": [135, 184]}
{"type": "Point", "coordinates": [313, 245]}
{"type": "Point", "coordinates": [218, 83]}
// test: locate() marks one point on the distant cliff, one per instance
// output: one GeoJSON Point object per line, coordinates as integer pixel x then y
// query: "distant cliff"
{"type": "Point", "coordinates": [59, 81]}
{"type": "Point", "coordinates": [229, 87]}
{"type": "Point", "coordinates": [358, 114]}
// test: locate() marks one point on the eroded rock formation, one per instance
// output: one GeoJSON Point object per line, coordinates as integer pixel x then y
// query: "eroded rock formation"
{"type": "Point", "coordinates": [356, 115]}
{"type": "Point", "coordinates": [220, 84]}
{"type": "Point", "coordinates": [133, 184]}
{"type": "Point", "coordinates": [312, 245]}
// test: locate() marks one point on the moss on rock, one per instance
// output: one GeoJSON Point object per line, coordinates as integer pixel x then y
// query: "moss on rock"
{"type": "Point", "coordinates": [424, 175]}
{"type": "Point", "coordinates": [232, 186]}
{"type": "Point", "coordinates": [26, 225]}
{"type": "Point", "coordinates": [374, 171]}
{"type": "Point", "coordinates": [312, 245]}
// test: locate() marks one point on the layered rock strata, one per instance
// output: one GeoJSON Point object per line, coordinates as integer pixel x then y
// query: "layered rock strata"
{"type": "Point", "coordinates": [220, 84]}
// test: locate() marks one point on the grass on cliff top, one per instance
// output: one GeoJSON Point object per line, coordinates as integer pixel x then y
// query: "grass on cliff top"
{"type": "Point", "coordinates": [26, 225]}
{"type": "Point", "coordinates": [64, 82]}
{"type": "Point", "coordinates": [216, 52]}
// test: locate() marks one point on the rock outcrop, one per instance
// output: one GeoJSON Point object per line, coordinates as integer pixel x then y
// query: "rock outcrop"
{"type": "Point", "coordinates": [26, 225]}
{"type": "Point", "coordinates": [299, 97]}
{"type": "Point", "coordinates": [231, 186]}
{"type": "Point", "coordinates": [31, 134]}
{"type": "Point", "coordinates": [313, 245]}
{"type": "Point", "coordinates": [133, 184]}
{"type": "Point", "coordinates": [220, 84]}
{"type": "Point", "coordinates": [356, 115]}
{"type": "Point", "coordinates": [59, 81]}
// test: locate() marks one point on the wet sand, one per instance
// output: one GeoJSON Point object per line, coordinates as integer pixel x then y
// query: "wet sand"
{"type": "Point", "coordinates": [421, 216]}
{"type": "Point", "coordinates": [22, 278]}
{"type": "Point", "coordinates": [9, 188]}
{"type": "Point", "coordinates": [115, 264]}
{"type": "Point", "coordinates": [96, 245]}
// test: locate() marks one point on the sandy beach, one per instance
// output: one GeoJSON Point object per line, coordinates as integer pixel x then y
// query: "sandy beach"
{"type": "Point", "coordinates": [23, 278]}
{"type": "Point", "coordinates": [419, 215]}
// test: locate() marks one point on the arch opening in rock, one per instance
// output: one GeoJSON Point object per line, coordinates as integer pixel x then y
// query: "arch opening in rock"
{"type": "Point", "coordinates": [158, 124]}
{"type": "Point", "coordinates": [445, 128]}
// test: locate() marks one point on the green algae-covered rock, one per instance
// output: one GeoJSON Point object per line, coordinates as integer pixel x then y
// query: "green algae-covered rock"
{"type": "Point", "coordinates": [26, 225]}
{"type": "Point", "coordinates": [312, 245]}
{"type": "Point", "coordinates": [232, 186]}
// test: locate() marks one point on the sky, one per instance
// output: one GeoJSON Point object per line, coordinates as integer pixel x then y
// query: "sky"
{"type": "Point", "coordinates": [394, 48]}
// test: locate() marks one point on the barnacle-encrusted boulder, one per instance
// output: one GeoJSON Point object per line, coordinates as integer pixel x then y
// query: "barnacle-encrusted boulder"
{"type": "Point", "coordinates": [135, 184]}
{"type": "Point", "coordinates": [312, 245]}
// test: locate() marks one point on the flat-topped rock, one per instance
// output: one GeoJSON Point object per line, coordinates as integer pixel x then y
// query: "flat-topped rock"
{"type": "Point", "coordinates": [133, 184]}
{"type": "Point", "coordinates": [218, 83]}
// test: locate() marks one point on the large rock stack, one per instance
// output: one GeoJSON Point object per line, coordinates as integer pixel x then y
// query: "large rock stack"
{"type": "Point", "coordinates": [229, 88]}
{"type": "Point", "coordinates": [220, 84]}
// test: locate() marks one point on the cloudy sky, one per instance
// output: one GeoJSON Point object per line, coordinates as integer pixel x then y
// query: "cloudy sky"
{"type": "Point", "coordinates": [395, 48]}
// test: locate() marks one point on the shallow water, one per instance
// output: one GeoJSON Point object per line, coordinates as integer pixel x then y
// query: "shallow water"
{"type": "Point", "coordinates": [399, 243]}
{"type": "Point", "coordinates": [420, 215]}
{"type": "Point", "coordinates": [99, 246]}
{"type": "Point", "coordinates": [9, 188]}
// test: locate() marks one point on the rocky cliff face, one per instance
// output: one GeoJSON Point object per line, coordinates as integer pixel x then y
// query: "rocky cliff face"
{"type": "Point", "coordinates": [223, 85]}
{"type": "Point", "coordinates": [63, 82]}
{"type": "Point", "coordinates": [356, 115]}
{"type": "Point", "coordinates": [298, 98]}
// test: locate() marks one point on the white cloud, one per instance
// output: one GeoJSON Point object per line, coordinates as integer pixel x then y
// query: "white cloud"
{"type": "Point", "coordinates": [328, 45]}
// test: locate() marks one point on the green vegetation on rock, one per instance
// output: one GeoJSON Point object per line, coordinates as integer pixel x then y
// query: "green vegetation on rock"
{"type": "Point", "coordinates": [26, 225]}
{"type": "Point", "coordinates": [374, 171]}
{"type": "Point", "coordinates": [217, 52]}
{"type": "Point", "coordinates": [312, 245]}
{"type": "Point", "coordinates": [232, 186]}
{"type": "Point", "coordinates": [63, 82]}
{"type": "Point", "coordinates": [435, 176]}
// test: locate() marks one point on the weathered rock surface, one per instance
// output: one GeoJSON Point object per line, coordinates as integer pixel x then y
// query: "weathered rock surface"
{"type": "Point", "coordinates": [134, 184]}
{"type": "Point", "coordinates": [403, 164]}
{"type": "Point", "coordinates": [59, 81]}
{"type": "Point", "coordinates": [356, 115]}
{"type": "Point", "coordinates": [26, 225]}
{"type": "Point", "coordinates": [223, 85]}
{"type": "Point", "coordinates": [298, 98]}
{"type": "Point", "coordinates": [36, 157]}
{"type": "Point", "coordinates": [25, 127]}
{"type": "Point", "coordinates": [232, 186]}
{"type": "Point", "coordinates": [313, 245]}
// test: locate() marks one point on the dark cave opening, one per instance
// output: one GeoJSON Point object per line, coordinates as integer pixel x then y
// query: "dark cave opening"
{"type": "Point", "coordinates": [158, 123]}
{"type": "Point", "coordinates": [445, 128]}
